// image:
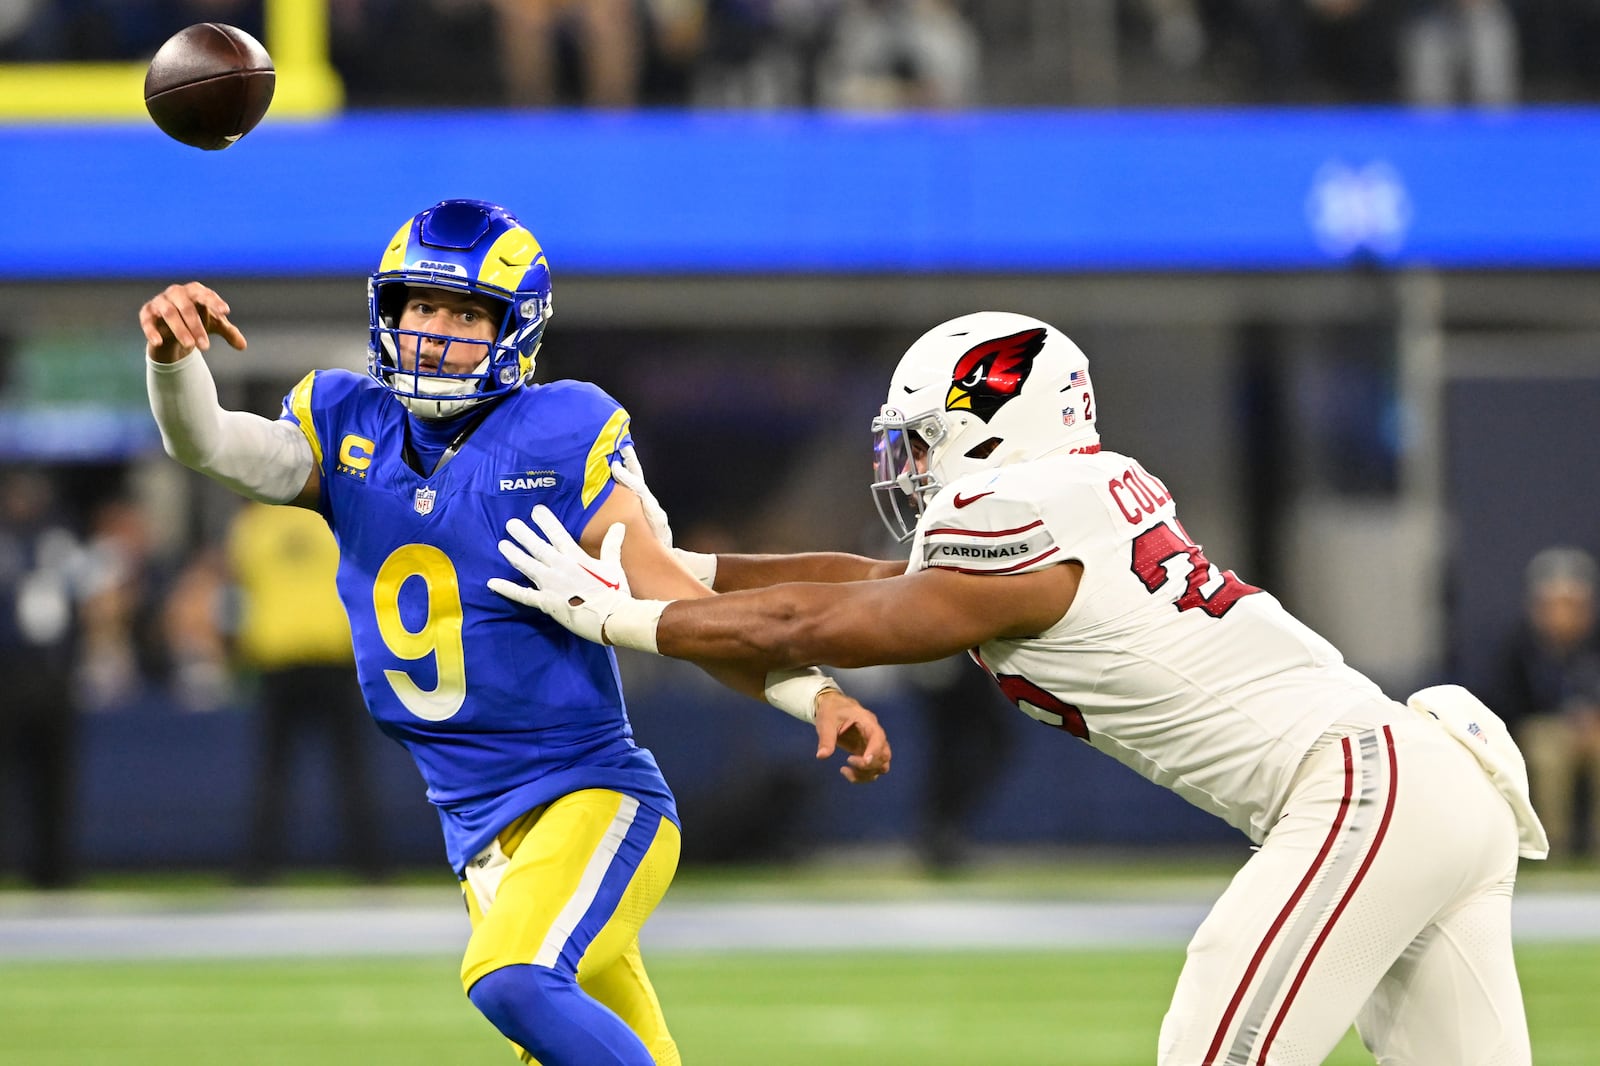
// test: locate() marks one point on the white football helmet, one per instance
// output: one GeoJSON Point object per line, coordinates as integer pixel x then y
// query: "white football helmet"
{"type": "Point", "coordinates": [977, 392]}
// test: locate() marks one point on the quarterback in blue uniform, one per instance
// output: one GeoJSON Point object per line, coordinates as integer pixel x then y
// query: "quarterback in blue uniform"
{"type": "Point", "coordinates": [560, 828]}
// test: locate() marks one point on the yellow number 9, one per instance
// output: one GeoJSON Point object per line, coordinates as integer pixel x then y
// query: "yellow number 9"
{"type": "Point", "coordinates": [440, 635]}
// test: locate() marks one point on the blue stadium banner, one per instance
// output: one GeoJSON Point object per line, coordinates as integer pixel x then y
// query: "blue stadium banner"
{"type": "Point", "coordinates": [707, 193]}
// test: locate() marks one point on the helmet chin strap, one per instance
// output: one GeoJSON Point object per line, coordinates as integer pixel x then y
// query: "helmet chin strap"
{"type": "Point", "coordinates": [456, 395]}
{"type": "Point", "coordinates": [435, 410]}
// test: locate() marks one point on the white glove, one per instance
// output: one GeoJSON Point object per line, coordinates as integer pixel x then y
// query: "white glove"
{"type": "Point", "coordinates": [630, 475]}
{"type": "Point", "coordinates": [578, 591]}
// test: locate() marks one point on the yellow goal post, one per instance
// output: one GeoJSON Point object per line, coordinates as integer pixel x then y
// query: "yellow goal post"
{"type": "Point", "coordinates": [297, 39]}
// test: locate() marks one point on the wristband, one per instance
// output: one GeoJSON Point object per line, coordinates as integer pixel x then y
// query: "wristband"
{"type": "Point", "coordinates": [702, 565]}
{"type": "Point", "coordinates": [795, 692]}
{"type": "Point", "coordinates": [633, 624]}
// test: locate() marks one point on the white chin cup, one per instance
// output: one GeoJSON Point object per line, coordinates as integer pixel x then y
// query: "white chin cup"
{"type": "Point", "coordinates": [460, 393]}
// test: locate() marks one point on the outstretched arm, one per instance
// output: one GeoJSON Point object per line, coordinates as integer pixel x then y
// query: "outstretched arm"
{"type": "Point", "coordinates": [256, 457]}
{"type": "Point", "coordinates": [913, 618]}
{"type": "Point", "coordinates": [653, 571]}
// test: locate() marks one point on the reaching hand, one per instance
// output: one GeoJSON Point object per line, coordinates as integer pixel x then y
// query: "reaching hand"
{"type": "Point", "coordinates": [182, 317]}
{"type": "Point", "coordinates": [569, 585]}
{"type": "Point", "coordinates": [630, 475]}
{"type": "Point", "coordinates": [842, 722]}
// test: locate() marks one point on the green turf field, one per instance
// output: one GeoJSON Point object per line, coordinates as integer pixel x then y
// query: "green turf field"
{"type": "Point", "coordinates": [789, 1009]}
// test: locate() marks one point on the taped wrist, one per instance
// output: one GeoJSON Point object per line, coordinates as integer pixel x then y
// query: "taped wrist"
{"type": "Point", "coordinates": [633, 624]}
{"type": "Point", "coordinates": [702, 565]}
{"type": "Point", "coordinates": [795, 692]}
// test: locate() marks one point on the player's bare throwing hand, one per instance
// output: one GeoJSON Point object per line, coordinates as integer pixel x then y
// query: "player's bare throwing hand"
{"type": "Point", "coordinates": [558, 825]}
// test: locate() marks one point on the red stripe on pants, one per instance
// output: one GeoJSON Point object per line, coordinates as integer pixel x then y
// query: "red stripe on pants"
{"type": "Point", "coordinates": [1355, 883]}
{"type": "Point", "coordinates": [1288, 908]}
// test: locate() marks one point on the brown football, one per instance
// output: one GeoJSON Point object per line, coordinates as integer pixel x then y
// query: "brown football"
{"type": "Point", "coordinates": [209, 85]}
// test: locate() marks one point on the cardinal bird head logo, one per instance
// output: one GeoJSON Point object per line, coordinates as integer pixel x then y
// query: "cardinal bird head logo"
{"type": "Point", "coordinates": [992, 373]}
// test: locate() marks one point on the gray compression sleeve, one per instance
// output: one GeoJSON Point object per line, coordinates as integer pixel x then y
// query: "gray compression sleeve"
{"type": "Point", "coordinates": [257, 457]}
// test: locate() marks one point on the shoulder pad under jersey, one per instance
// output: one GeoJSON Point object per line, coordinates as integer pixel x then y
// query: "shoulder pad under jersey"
{"type": "Point", "coordinates": [986, 524]}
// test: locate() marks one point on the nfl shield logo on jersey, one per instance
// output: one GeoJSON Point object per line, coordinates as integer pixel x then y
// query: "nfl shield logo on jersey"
{"type": "Point", "coordinates": [423, 501]}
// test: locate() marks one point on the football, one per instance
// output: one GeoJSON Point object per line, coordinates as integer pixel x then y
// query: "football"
{"type": "Point", "coordinates": [209, 85]}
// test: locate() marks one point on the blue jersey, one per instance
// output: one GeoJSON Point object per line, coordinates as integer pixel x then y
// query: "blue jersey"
{"type": "Point", "coordinates": [501, 708]}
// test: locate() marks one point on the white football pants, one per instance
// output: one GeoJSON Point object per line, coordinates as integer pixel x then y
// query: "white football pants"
{"type": "Point", "coordinates": [1381, 897]}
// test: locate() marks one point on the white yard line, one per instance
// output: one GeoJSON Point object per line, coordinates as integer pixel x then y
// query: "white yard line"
{"type": "Point", "coordinates": [79, 929]}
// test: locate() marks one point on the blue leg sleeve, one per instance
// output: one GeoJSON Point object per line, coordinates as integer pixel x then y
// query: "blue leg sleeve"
{"type": "Point", "coordinates": [549, 1015]}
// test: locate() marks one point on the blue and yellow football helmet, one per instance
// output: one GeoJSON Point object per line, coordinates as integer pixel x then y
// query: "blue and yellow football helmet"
{"type": "Point", "coordinates": [475, 247]}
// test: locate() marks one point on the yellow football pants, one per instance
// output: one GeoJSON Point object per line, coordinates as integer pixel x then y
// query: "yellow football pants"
{"type": "Point", "coordinates": [569, 885]}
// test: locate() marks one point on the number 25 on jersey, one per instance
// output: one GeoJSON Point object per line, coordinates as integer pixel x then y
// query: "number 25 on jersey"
{"type": "Point", "coordinates": [1167, 540]}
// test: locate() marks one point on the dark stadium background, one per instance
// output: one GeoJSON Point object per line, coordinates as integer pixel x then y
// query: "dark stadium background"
{"type": "Point", "coordinates": [1355, 334]}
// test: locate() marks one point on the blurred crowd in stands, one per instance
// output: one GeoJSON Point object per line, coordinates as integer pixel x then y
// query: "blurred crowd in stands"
{"type": "Point", "coordinates": [1550, 694]}
{"type": "Point", "coordinates": [878, 54]}
{"type": "Point", "coordinates": [96, 614]}
{"type": "Point", "coordinates": [97, 617]}
{"type": "Point", "coordinates": [101, 616]}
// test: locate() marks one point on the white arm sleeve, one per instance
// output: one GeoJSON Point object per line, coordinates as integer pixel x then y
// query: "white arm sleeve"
{"type": "Point", "coordinates": [257, 457]}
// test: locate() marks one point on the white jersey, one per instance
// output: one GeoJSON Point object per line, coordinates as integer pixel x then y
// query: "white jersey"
{"type": "Point", "coordinates": [1198, 681]}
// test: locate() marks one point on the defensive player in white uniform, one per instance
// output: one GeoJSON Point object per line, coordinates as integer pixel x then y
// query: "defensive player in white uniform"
{"type": "Point", "coordinates": [1388, 836]}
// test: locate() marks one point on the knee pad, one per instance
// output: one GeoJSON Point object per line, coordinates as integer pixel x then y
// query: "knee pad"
{"type": "Point", "coordinates": [518, 992]}
{"type": "Point", "coordinates": [543, 1011]}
